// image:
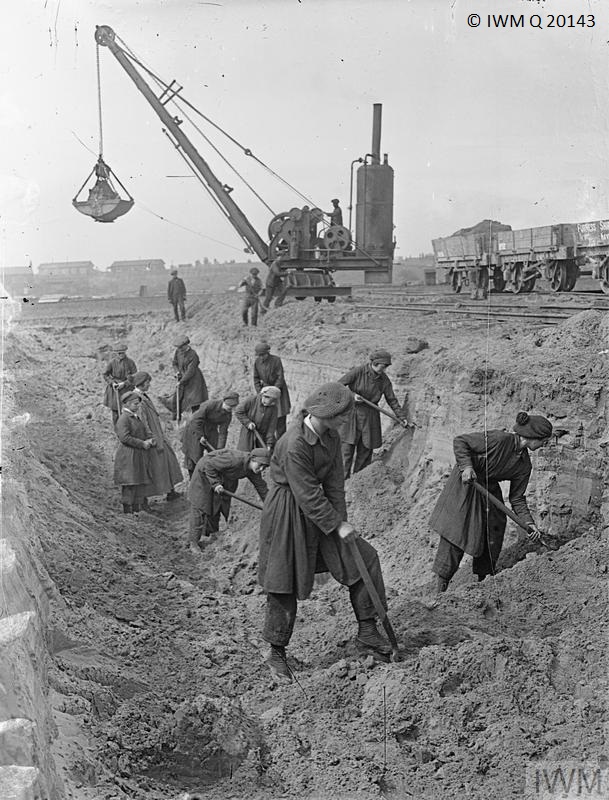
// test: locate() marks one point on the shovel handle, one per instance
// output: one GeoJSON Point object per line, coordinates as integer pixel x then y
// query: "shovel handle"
{"type": "Point", "coordinates": [502, 507]}
{"type": "Point", "coordinates": [243, 500]}
{"type": "Point", "coordinates": [386, 413]}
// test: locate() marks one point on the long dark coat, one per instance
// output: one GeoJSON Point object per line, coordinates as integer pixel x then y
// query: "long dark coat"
{"type": "Point", "coordinates": [131, 461]}
{"type": "Point", "coordinates": [118, 369]}
{"type": "Point", "coordinates": [303, 509]}
{"type": "Point", "coordinates": [176, 290]}
{"type": "Point", "coordinates": [268, 371]}
{"type": "Point", "coordinates": [224, 467]}
{"type": "Point", "coordinates": [460, 514]}
{"type": "Point", "coordinates": [365, 381]}
{"type": "Point", "coordinates": [165, 472]}
{"type": "Point", "coordinates": [193, 389]}
{"type": "Point", "coordinates": [211, 421]}
{"type": "Point", "coordinates": [264, 417]}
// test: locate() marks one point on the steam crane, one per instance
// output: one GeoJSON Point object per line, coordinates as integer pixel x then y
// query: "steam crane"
{"type": "Point", "coordinates": [311, 250]}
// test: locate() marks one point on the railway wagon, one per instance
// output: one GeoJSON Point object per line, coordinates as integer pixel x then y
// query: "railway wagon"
{"type": "Point", "coordinates": [515, 259]}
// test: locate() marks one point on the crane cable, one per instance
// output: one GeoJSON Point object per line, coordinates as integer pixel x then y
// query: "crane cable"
{"type": "Point", "coordinates": [245, 150]}
{"type": "Point", "coordinates": [99, 105]}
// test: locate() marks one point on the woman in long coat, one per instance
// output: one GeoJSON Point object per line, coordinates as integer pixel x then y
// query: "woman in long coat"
{"type": "Point", "coordinates": [117, 375]}
{"type": "Point", "coordinates": [465, 520]}
{"type": "Point", "coordinates": [258, 413]}
{"type": "Point", "coordinates": [164, 468]}
{"type": "Point", "coordinates": [131, 462]}
{"type": "Point", "coordinates": [268, 371]}
{"type": "Point", "coordinates": [304, 528]}
{"type": "Point", "coordinates": [207, 429]}
{"type": "Point", "coordinates": [192, 388]}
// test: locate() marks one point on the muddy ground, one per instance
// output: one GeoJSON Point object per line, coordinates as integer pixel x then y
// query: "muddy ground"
{"type": "Point", "coordinates": [155, 666]}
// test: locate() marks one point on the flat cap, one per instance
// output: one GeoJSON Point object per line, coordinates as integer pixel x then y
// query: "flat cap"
{"type": "Point", "coordinates": [232, 396]}
{"type": "Point", "coordinates": [173, 271]}
{"type": "Point", "coordinates": [329, 400]}
{"type": "Point", "coordinates": [262, 347]}
{"type": "Point", "coordinates": [261, 455]}
{"type": "Point", "coordinates": [140, 377]}
{"type": "Point", "coordinates": [182, 339]}
{"type": "Point", "coordinates": [380, 356]}
{"type": "Point", "coordinates": [254, 270]}
{"type": "Point", "coordinates": [119, 347]}
{"type": "Point", "coordinates": [532, 427]}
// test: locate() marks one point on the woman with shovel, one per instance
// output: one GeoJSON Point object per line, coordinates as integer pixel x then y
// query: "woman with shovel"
{"type": "Point", "coordinates": [465, 522]}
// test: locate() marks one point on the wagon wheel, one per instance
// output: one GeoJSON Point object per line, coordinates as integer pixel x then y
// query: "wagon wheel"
{"type": "Point", "coordinates": [604, 284]}
{"type": "Point", "coordinates": [518, 282]}
{"type": "Point", "coordinates": [558, 276]}
{"type": "Point", "coordinates": [572, 275]}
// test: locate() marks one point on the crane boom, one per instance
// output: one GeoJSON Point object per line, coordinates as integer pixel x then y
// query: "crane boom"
{"type": "Point", "coordinates": [105, 36]}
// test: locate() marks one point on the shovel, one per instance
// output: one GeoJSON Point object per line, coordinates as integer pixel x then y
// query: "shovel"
{"type": "Point", "coordinates": [117, 396]}
{"type": "Point", "coordinates": [178, 409]}
{"type": "Point", "coordinates": [376, 600]}
{"type": "Point", "coordinates": [387, 413]}
{"type": "Point", "coordinates": [243, 500]}
{"type": "Point", "coordinates": [502, 507]}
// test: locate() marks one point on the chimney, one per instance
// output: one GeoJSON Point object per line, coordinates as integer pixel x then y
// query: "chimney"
{"type": "Point", "coordinates": [377, 110]}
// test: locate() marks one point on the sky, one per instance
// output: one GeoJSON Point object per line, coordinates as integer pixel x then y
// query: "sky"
{"type": "Point", "coordinates": [478, 122]}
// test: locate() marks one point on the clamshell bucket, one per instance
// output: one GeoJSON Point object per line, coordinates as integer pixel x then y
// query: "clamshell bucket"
{"type": "Point", "coordinates": [104, 204]}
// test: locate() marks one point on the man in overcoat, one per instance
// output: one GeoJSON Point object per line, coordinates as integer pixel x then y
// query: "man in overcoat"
{"type": "Point", "coordinates": [268, 371]}
{"type": "Point", "coordinates": [176, 295]}
{"type": "Point", "coordinates": [192, 388]}
{"type": "Point", "coordinates": [207, 429]}
{"type": "Point", "coordinates": [362, 433]}
{"type": "Point", "coordinates": [304, 527]}
{"type": "Point", "coordinates": [165, 472]}
{"type": "Point", "coordinates": [251, 299]}
{"type": "Point", "coordinates": [117, 375]}
{"type": "Point", "coordinates": [467, 522]}
{"type": "Point", "coordinates": [215, 472]}
{"type": "Point", "coordinates": [258, 414]}
{"type": "Point", "coordinates": [131, 462]}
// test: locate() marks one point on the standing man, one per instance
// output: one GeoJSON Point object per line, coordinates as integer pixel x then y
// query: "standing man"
{"type": "Point", "coordinates": [336, 215]}
{"type": "Point", "coordinates": [251, 300]}
{"type": "Point", "coordinates": [131, 462]}
{"type": "Point", "coordinates": [207, 429]}
{"type": "Point", "coordinates": [213, 473]}
{"type": "Point", "coordinates": [176, 294]}
{"type": "Point", "coordinates": [118, 374]}
{"type": "Point", "coordinates": [192, 389]}
{"type": "Point", "coordinates": [275, 285]}
{"type": "Point", "coordinates": [362, 433]}
{"type": "Point", "coordinates": [465, 520]}
{"type": "Point", "coordinates": [304, 528]}
{"type": "Point", "coordinates": [258, 414]}
{"type": "Point", "coordinates": [268, 371]}
{"type": "Point", "coordinates": [165, 471]}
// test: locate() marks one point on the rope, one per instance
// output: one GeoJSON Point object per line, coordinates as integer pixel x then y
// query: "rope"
{"type": "Point", "coordinates": [99, 104]}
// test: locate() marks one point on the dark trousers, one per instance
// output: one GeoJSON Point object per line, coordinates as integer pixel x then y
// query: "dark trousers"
{"type": "Point", "coordinates": [250, 303]}
{"type": "Point", "coordinates": [278, 292]}
{"type": "Point", "coordinates": [363, 456]}
{"type": "Point", "coordinates": [281, 427]}
{"type": "Point", "coordinates": [201, 524]}
{"type": "Point", "coordinates": [179, 303]}
{"type": "Point", "coordinates": [280, 613]}
{"type": "Point", "coordinates": [448, 556]}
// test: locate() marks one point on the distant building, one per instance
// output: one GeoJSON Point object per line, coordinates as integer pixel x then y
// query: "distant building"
{"type": "Point", "coordinates": [142, 267]}
{"type": "Point", "coordinates": [18, 281]}
{"type": "Point", "coordinates": [65, 277]}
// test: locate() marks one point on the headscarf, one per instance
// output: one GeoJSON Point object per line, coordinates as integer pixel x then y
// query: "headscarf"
{"type": "Point", "coordinates": [230, 395]}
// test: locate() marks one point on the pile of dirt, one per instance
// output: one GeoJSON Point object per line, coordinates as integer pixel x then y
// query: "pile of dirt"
{"type": "Point", "coordinates": [159, 687]}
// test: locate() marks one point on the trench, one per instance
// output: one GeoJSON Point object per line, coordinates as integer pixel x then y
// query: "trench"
{"type": "Point", "coordinates": [137, 671]}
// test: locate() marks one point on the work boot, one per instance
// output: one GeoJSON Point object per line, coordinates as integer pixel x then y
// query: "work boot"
{"type": "Point", "coordinates": [278, 664]}
{"type": "Point", "coordinates": [173, 495]}
{"type": "Point", "coordinates": [368, 637]}
{"type": "Point", "coordinates": [127, 509]}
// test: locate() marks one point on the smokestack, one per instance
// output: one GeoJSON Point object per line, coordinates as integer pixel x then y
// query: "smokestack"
{"type": "Point", "coordinates": [377, 110]}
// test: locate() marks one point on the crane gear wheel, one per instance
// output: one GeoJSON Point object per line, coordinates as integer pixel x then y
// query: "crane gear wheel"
{"type": "Point", "coordinates": [337, 237]}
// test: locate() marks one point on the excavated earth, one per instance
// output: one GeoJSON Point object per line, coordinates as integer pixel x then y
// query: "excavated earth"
{"type": "Point", "coordinates": [137, 669]}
